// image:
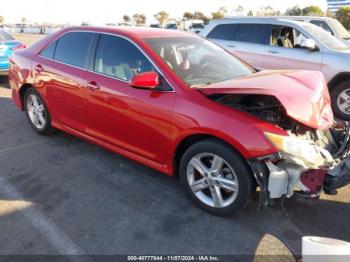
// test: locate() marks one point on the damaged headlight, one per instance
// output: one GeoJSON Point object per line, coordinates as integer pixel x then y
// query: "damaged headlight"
{"type": "Point", "coordinates": [302, 149]}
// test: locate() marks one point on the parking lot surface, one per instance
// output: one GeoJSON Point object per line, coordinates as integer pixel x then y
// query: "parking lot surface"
{"type": "Point", "coordinates": [62, 195]}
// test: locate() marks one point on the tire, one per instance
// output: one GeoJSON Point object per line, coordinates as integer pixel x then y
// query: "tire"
{"type": "Point", "coordinates": [339, 96]}
{"type": "Point", "coordinates": [37, 112]}
{"type": "Point", "coordinates": [232, 179]}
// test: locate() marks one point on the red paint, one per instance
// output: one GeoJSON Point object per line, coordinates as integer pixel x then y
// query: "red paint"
{"type": "Point", "coordinates": [145, 80]}
{"type": "Point", "coordinates": [148, 125]}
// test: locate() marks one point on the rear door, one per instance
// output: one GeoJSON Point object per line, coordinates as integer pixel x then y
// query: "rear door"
{"type": "Point", "coordinates": [246, 40]}
{"type": "Point", "coordinates": [279, 57]}
{"type": "Point", "coordinates": [59, 71]}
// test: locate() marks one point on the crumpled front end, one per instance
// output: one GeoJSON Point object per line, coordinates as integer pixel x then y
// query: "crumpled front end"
{"type": "Point", "coordinates": [308, 161]}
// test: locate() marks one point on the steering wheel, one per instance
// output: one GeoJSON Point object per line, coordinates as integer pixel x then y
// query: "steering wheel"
{"type": "Point", "coordinates": [199, 71]}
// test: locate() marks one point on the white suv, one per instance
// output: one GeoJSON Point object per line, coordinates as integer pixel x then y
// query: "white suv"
{"type": "Point", "coordinates": [279, 43]}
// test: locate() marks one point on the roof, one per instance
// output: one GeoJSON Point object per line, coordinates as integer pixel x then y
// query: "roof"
{"type": "Point", "coordinates": [262, 19]}
{"type": "Point", "coordinates": [279, 17]}
{"type": "Point", "coordinates": [132, 31]}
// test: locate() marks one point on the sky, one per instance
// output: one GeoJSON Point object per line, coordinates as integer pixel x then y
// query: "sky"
{"type": "Point", "coordinates": [112, 11]}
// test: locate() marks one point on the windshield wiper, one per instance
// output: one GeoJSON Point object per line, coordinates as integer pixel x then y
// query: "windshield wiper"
{"type": "Point", "coordinates": [205, 84]}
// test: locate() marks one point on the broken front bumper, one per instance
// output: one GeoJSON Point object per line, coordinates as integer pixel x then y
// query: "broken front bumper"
{"type": "Point", "coordinates": [278, 178]}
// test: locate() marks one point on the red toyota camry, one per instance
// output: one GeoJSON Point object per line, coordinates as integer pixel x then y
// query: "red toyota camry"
{"type": "Point", "coordinates": [184, 106]}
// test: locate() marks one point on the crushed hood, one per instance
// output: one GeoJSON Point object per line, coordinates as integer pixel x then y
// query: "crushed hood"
{"type": "Point", "coordinates": [303, 94]}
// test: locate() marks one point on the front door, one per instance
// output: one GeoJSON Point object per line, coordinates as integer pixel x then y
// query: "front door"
{"type": "Point", "coordinates": [137, 120]}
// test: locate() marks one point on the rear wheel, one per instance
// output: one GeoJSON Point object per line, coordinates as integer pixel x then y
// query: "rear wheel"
{"type": "Point", "coordinates": [216, 177]}
{"type": "Point", "coordinates": [37, 112]}
{"type": "Point", "coordinates": [341, 100]}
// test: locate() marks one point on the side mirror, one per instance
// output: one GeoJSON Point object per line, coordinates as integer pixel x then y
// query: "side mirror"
{"type": "Point", "coordinates": [146, 80]}
{"type": "Point", "coordinates": [309, 44]}
{"type": "Point", "coordinates": [270, 246]}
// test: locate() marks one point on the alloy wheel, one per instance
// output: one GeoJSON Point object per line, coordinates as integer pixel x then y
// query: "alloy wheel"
{"type": "Point", "coordinates": [343, 101]}
{"type": "Point", "coordinates": [212, 180]}
{"type": "Point", "coordinates": [36, 111]}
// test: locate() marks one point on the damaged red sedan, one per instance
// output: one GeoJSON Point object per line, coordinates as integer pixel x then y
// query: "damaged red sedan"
{"type": "Point", "coordinates": [184, 106]}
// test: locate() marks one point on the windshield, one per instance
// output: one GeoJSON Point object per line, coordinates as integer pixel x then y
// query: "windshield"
{"type": "Point", "coordinates": [325, 37]}
{"type": "Point", "coordinates": [197, 61]}
{"type": "Point", "coordinates": [339, 29]}
{"type": "Point", "coordinates": [5, 36]}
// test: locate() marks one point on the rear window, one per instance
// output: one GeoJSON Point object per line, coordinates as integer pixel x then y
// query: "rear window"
{"type": "Point", "coordinates": [49, 51]}
{"type": "Point", "coordinates": [72, 48]}
{"type": "Point", "coordinates": [5, 36]}
{"type": "Point", "coordinates": [223, 32]}
{"type": "Point", "coordinates": [253, 33]}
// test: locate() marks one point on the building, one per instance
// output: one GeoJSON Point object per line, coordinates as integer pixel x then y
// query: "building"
{"type": "Point", "coordinates": [334, 5]}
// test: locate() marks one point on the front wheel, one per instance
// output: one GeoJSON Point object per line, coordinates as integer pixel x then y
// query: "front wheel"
{"type": "Point", "coordinates": [340, 96]}
{"type": "Point", "coordinates": [37, 112]}
{"type": "Point", "coordinates": [216, 177]}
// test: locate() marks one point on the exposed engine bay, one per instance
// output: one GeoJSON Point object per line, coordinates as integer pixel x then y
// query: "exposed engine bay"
{"type": "Point", "coordinates": [310, 160]}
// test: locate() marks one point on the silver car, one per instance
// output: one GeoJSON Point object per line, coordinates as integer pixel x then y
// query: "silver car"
{"type": "Point", "coordinates": [331, 25]}
{"type": "Point", "coordinates": [276, 43]}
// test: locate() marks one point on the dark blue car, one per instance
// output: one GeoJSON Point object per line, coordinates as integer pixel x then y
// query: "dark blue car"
{"type": "Point", "coordinates": [7, 45]}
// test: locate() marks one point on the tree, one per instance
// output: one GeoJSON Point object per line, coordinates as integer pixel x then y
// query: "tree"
{"type": "Point", "coordinates": [200, 16]}
{"type": "Point", "coordinates": [162, 17]}
{"type": "Point", "coordinates": [343, 15]}
{"type": "Point", "coordinates": [268, 11]}
{"type": "Point", "coordinates": [2, 19]}
{"type": "Point", "coordinates": [294, 11]}
{"type": "Point", "coordinates": [140, 19]}
{"type": "Point", "coordinates": [188, 15]}
{"type": "Point", "coordinates": [221, 13]}
{"type": "Point", "coordinates": [238, 10]}
{"type": "Point", "coordinates": [23, 20]}
{"type": "Point", "coordinates": [250, 13]}
{"type": "Point", "coordinates": [312, 10]}
{"type": "Point", "coordinates": [126, 18]}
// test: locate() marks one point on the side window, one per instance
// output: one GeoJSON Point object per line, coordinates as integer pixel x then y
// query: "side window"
{"type": "Point", "coordinates": [118, 57]}
{"type": "Point", "coordinates": [49, 51]}
{"type": "Point", "coordinates": [223, 32]}
{"type": "Point", "coordinates": [252, 33]}
{"type": "Point", "coordinates": [287, 37]}
{"type": "Point", "coordinates": [72, 48]}
{"type": "Point", "coordinates": [323, 25]}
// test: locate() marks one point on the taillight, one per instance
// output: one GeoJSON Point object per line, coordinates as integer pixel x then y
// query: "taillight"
{"type": "Point", "coordinates": [19, 46]}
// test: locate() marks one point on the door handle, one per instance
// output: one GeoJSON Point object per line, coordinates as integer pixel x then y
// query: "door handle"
{"type": "Point", "coordinates": [273, 51]}
{"type": "Point", "coordinates": [39, 68]}
{"type": "Point", "coordinates": [93, 86]}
